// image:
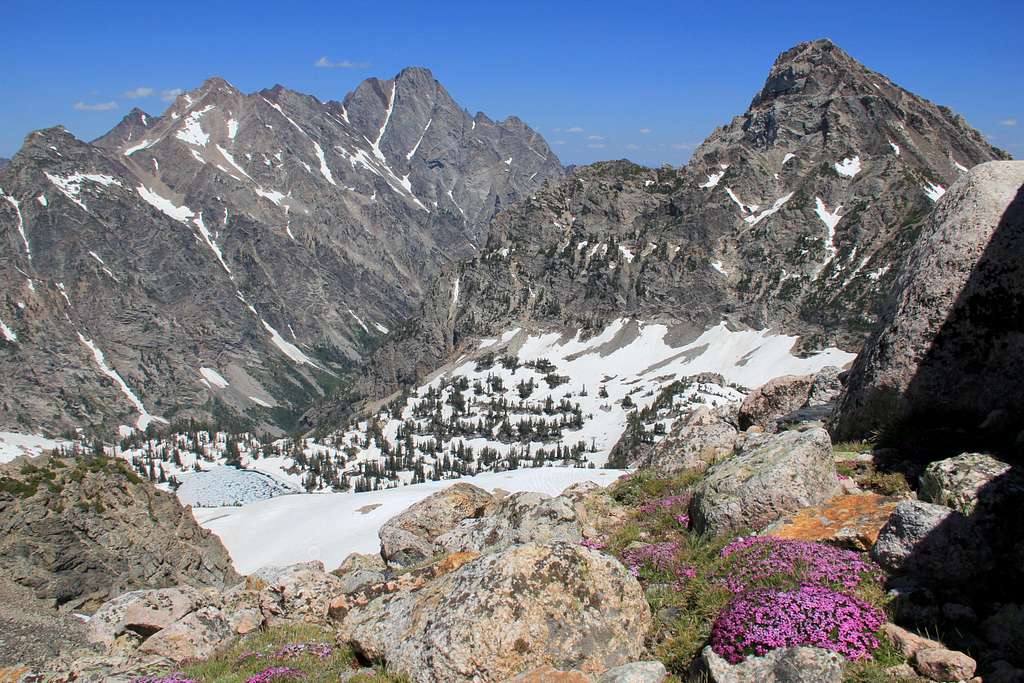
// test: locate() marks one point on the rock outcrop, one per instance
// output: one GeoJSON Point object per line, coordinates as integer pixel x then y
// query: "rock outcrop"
{"type": "Point", "coordinates": [951, 350]}
{"type": "Point", "coordinates": [410, 537]}
{"type": "Point", "coordinates": [963, 481]}
{"type": "Point", "coordinates": [693, 443]}
{"type": "Point", "coordinates": [509, 612]}
{"type": "Point", "coordinates": [81, 530]}
{"type": "Point", "coordinates": [771, 476]}
{"type": "Point", "coordinates": [786, 665]}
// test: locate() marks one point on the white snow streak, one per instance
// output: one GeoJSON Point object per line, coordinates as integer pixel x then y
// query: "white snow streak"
{"type": "Point", "coordinates": [934, 192]}
{"type": "Point", "coordinates": [326, 172]}
{"type": "Point", "coordinates": [135, 148]}
{"type": "Point", "coordinates": [232, 129]}
{"type": "Point", "coordinates": [895, 147]}
{"type": "Point", "coordinates": [789, 155]}
{"type": "Point", "coordinates": [7, 332]}
{"type": "Point", "coordinates": [144, 417]}
{"type": "Point", "coordinates": [71, 186]}
{"type": "Point", "coordinates": [717, 265]}
{"type": "Point", "coordinates": [412, 152]}
{"type": "Point", "coordinates": [713, 179]}
{"type": "Point", "coordinates": [231, 160]}
{"type": "Point", "coordinates": [166, 206]}
{"type": "Point", "coordinates": [375, 145]}
{"type": "Point", "coordinates": [213, 377]}
{"type": "Point", "coordinates": [191, 131]}
{"type": "Point", "coordinates": [754, 220]}
{"type": "Point", "coordinates": [21, 224]}
{"type": "Point", "coordinates": [210, 242]}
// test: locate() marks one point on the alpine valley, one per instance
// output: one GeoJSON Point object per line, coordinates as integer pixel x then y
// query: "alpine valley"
{"type": "Point", "coordinates": [260, 330]}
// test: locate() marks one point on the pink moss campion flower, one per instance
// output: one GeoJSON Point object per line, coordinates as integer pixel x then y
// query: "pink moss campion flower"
{"type": "Point", "coordinates": [761, 620]}
{"type": "Point", "coordinates": [276, 673]}
{"type": "Point", "coordinates": [176, 677]}
{"type": "Point", "coordinates": [755, 560]}
{"type": "Point", "coordinates": [670, 503]}
{"type": "Point", "coordinates": [595, 543]}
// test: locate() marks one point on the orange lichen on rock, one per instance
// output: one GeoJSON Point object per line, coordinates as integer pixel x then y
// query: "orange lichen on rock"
{"type": "Point", "coordinates": [851, 521]}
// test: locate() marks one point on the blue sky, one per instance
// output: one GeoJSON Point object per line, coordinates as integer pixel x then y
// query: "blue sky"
{"type": "Point", "coordinates": [642, 80]}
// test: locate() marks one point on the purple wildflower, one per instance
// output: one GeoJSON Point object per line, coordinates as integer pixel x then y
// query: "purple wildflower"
{"type": "Point", "coordinates": [756, 559]}
{"type": "Point", "coordinates": [765, 619]}
{"type": "Point", "coordinates": [666, 504]}
{"type": "Point", "coordinates": [276, 673]}
{"type": "Point", "coordinates": [595, 543]}
{"type": "Point", "coordinates": [176, 677]}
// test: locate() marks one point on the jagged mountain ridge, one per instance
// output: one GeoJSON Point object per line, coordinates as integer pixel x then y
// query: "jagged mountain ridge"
{"type": "Point", "coordinates": [235, 255]}
{"type": "Point", "coordinates": [794, 216]}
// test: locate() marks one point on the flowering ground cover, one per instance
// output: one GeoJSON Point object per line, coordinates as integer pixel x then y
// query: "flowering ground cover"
{"type": "Point", "coordinates": [284, 654]}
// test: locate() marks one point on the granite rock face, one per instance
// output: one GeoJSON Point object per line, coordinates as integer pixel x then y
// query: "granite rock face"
{"type": "Point", "coordinates": [269, 237]}
{"type": "Point", "coordinates": [951, 351]}
{"type": "Point", "coordinates": [786, 665]}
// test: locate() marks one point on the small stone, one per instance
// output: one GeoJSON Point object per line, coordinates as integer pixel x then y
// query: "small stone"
{"type": "Point", "coordinates": [908, 643]}
{"type": "Point", "coordinates": [940, 664]}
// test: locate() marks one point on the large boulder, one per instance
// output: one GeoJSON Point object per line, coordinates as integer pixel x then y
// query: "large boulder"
{"type": "Point", "coordinates": [773, 399]}
{"type": "Point", "coordinates": [694, 443]}
{"type": "Point", "coordinates": [786, 665]}
{"type": "Point", "coordinates": [850, 520]}
{"type": "Point", "coordinates": [359, 570]}
{"type": "Point", "coordinates": [933, 543]}
{"type": "Point", "coordinates": [143, 612]}
{"type": "Point", "coordinates": [507, 613]}
{"type": "Point", "coordinates": [408, 538]}
{"type": "Point", "coordinates": [194, 636]}
{"type": "Point", "coordinates": [962, 481]}
{"type": "Point", "coordinates": [951, 349]}
{"type": "Point", "coordinates": [582, 511]}
{"type": "Point", "coordinates": [772, 476]}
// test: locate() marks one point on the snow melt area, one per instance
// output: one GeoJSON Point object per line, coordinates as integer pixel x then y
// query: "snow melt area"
{"type": "Point", "coordinates": [778, 204]}
{"type": "Point", "coordinates": [191, 131]}
{"type": "Point", "coordinates": [272, 195]}
{"type": "Point", "coordinates": [208, 238]}
{"type": "Point", "coordinates": [933, 191]}
{"type": "Point", "coordinates": [14, 445]}
{"type": "Point", "coordinates": [895, 148]}
{"type": "Point", "coordinates": [553, 397]}
{"type": "Point", "coordinates": [324, 170]}
{"type": "Point", "coordinates": [848, 167]}
{"type": "Point", "coordinates": [232, 129]}
{"type": "Point", "coordinates": [213, 377]}
{"type": "Point", "coordinates": [831, 220]}
{"type": "Point", "coordinates": [144, 417]}
{"type": "Point", "coordinates": [142, 145]}
{"type": "Point", "coordinates": [286, 347]}
{"type": "Point", "coordinates": [717, 265]}
{"type": "Point", "coordinates": [789, 155]}
{"type": "Point", "coordinates": [71, 185]}
{"type": "Point", "coordinates": [223, 485]}
{"type": "Point", "coordinates": [327, 527]}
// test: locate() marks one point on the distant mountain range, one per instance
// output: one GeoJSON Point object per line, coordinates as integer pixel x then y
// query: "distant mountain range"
{"type": "Point", "coordinates": [234, 257]}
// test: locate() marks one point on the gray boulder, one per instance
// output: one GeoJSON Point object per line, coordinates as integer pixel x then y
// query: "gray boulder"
{"type": "Point", "coordinates": [194, 636]}
{"type": "Point", "coordinates": [507, 613]}
{"type": "Point", "coordinates": [143, 612]}
{"type": "Point", "coordinates": [773, 475]}
{"type": "Point", "coordinates": [359, 570]}
{"type": "Point", "coordinates": [787, 665]}
{"type": "Point", "coordinates": [951, 350]}
{"type": "Point", "coordinates": [959, 482]}
{"type": "Point", "coordinates": [409, 538]}
{"type": "Point", "coordinates": [773, 399]}
{"type": "Point", "coordinates": [933, 543]}
{"type": "Point", "coordinates": [694, 442]}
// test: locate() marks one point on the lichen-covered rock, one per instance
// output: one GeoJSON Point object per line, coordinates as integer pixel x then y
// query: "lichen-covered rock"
{"type": "Point", "coordinates": [507, 613]}
{"type": "Point", "coordinates": [933, 543]}
{"type": "Point", "coordinates": [950, 351]}
{"type": "Point", "coordinates": [143, 612]}
{"type": "Point", "coordinates": [582, 511]}
{"type": "Point", "coordinates": [196, 635]}
{"type": "Point", "coordinates": [694, 443]}
{"type": "Point", "coordinates": [773, 475]}
{"type": "Point", "coordinates": [408, 538]}
{"type": "Point", "coordinates": [549, 674]}
{"type": "Point", "coordinates": [358, 570]}
{"type": "Point", "coordinates": [959, 482]}
{"type": "Point", "coordinates": [302, 592]}
{"type": "Point", "coordinates": [787, 665]}
{"type": "Point", "coordinates": [851, 521]}
{"type": "Point", "coordinates": [907, 642]}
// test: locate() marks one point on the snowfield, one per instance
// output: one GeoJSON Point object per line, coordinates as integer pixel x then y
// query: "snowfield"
{"type": "Point", "coordinates": [329, 526]}
{"type": "Point", "coordinates": [14, 445]}
{"type": "Point", "coordinates": [220, 486]}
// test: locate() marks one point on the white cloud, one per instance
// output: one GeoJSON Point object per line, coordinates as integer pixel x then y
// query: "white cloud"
{"type": "Point", "coordinates": [597, 145]}
{"type": "Point", "coordinates": [170, 95]}
{"type": "Point", "coordinates": [595, 137]}
{"type": "Point", "coordinates": [632, 146]}
{"type": "Point", "coordinates": [682, 145]}
{"type": "Point", "coordinates": [574, 129]}
{"type": "Point", "coordinates": [1008, 122]}
{"type": "Point", "coordinates": [324, 63]}
{"type": "Point", "coordinates": [645, 131]}
{"type": "Point", "coordinates": [559, 142]}
{"type": "Point", "coordinates": [98, 106]}
{"type": "Point", "coordinates": [138, 93]}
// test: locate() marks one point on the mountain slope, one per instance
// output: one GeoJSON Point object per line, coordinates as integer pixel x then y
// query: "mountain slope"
{"type": "Point", "coordinates": [234, 256]}
{"type": "Point", "coordinates": [789, 217]}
